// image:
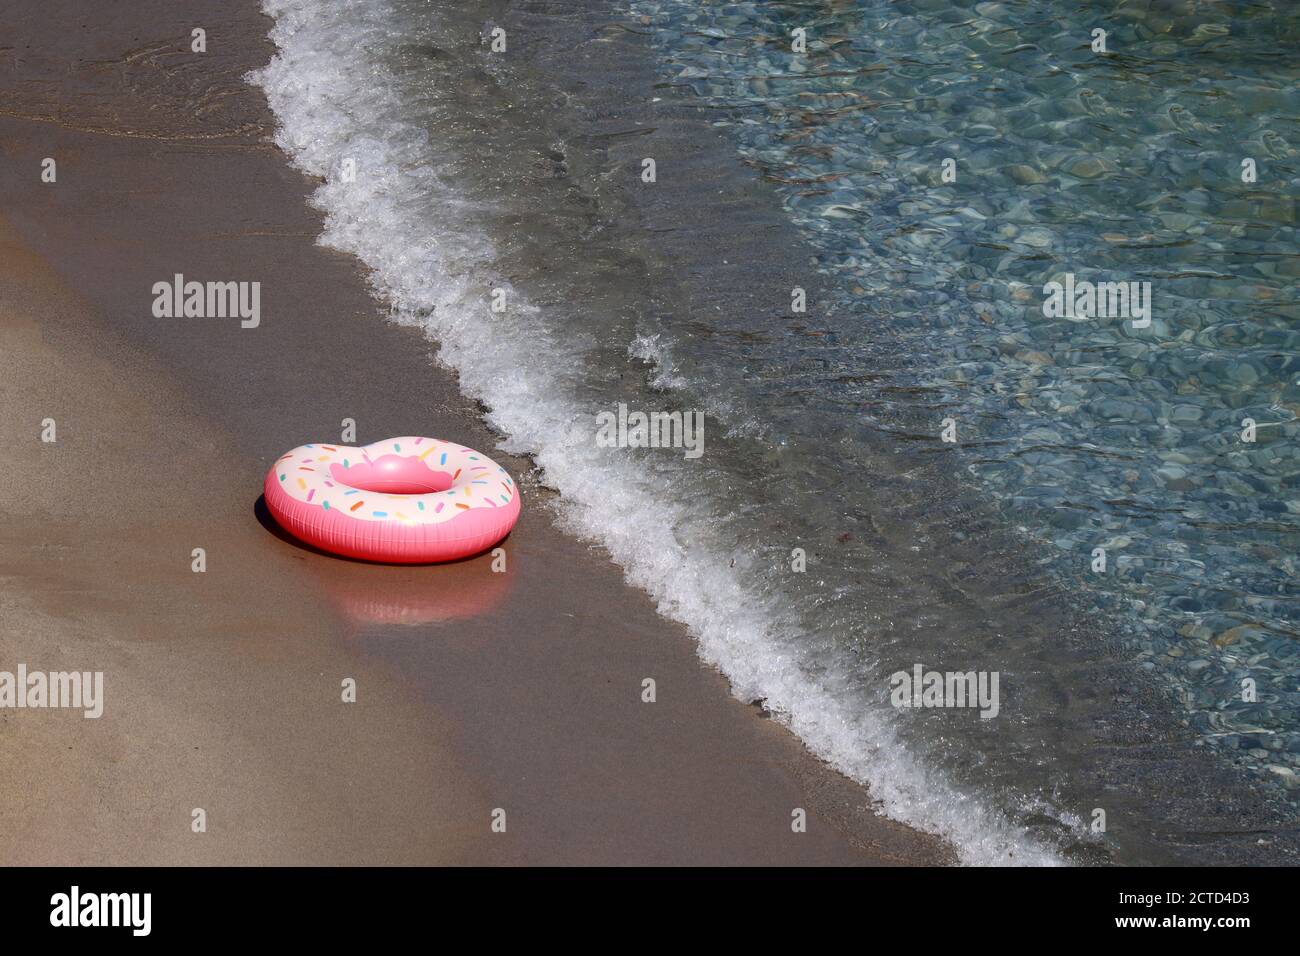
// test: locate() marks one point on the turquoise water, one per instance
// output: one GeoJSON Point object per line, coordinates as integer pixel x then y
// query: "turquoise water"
{"type": "Point", "coordinates": [828, 537]}
{"type": "Point", "coordinates": [1123, 166]}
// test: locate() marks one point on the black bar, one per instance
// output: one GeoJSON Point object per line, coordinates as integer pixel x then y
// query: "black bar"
{"type": "Point", "coordinates": [935, 905]}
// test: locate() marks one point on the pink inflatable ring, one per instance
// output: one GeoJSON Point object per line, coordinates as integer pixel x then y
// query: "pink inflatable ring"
{"type": "Point", "coordinates": [403, 500]}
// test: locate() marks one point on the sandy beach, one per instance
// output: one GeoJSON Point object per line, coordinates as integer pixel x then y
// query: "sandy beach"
{"type": "Point", "coordinates": [475, 690]}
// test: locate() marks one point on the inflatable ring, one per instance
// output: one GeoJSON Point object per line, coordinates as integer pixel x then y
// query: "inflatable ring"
{"type": "Point", "coordinates": [403, 500]}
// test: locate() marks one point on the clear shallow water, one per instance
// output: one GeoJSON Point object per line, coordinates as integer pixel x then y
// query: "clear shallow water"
{"type": "Point", "coordinates": [1120, 166]}
{"type": "Point", "coordinates": [479, 171]}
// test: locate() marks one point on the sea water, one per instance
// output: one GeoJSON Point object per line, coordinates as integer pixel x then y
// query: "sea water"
{"type": "Point", "coordinates": [927, 466]}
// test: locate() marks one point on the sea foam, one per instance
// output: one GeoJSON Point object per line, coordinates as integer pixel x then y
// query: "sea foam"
{"type": "Point", "coordinates": [334, 98]}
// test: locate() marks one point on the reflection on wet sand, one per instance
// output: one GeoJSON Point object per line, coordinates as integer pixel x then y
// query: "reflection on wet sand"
{"type": "Point", "coordinates": [369, 595]}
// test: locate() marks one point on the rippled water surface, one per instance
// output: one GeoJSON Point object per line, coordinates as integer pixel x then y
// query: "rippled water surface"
{"type": "Point", "coordinates": [1121, 687]}
{"type": "Point", "coordinates": [1122, 166]}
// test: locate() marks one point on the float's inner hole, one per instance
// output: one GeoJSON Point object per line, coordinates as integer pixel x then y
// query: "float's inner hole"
{"type": "Point", "coordinates": [392, 475]}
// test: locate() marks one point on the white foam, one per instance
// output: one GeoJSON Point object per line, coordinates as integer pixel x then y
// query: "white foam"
{"type": "Point", "coordinates": [664, 373]}
{"type": "Point", "coordinates": [334, 99]}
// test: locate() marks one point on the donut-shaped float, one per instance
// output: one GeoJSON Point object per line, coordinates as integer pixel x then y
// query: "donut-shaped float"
{"type": "Point", "coordinates": [406, 500]}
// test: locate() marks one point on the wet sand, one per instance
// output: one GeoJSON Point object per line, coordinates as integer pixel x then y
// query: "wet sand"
{"type": "Point", "coordinates": [476, 690]}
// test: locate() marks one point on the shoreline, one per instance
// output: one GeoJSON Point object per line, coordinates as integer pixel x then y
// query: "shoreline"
{"type": "Point", "coordinates": [518, 691]}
